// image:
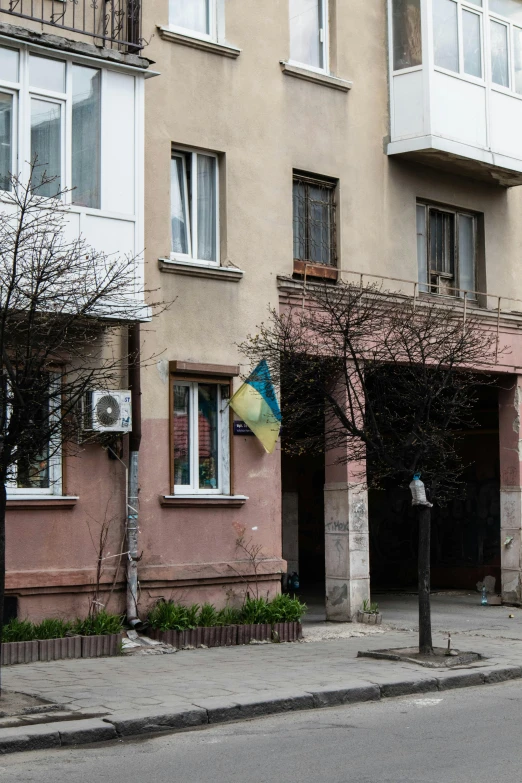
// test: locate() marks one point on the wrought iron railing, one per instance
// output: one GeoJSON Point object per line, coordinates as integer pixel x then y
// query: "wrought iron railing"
{"type": "Point", "coordinates": [115, 24]}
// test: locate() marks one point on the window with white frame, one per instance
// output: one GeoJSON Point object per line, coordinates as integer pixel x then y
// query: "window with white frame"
{"type": "Point", "coordinates": [309, 33]}
{"type": "Point", "coordinates": [481, 39]}
{"type": "Point", "coordinates": [40, 473]}
{"type": "Point", "coordinates": [194, 207]}
{"type": "Point", "coordinates": [50, 110]}
{"type": "Point", "coordinates": [446, 251]}
{"type": "Point", "coordinates": [194, 17]}
{"type": "Point", "coordinates": [200, 437]}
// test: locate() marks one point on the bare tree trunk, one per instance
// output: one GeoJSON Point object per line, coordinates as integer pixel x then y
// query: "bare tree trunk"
{"type": "Point", "coordinates": [425, 641]}
{"type": "Point", "coordinates": [3, 504]}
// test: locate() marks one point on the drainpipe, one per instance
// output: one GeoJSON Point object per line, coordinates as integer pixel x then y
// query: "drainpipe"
{"type": "Point", "coordinates": [134, 449]}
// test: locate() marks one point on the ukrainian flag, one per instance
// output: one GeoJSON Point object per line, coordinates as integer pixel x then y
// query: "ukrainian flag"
{"type": "Point", "coordinates": [256, 402]}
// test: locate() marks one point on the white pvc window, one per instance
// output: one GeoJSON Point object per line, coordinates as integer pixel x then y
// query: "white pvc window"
{"type": "Point", "coordinates": [481, 39]}
{"type": "Point", "coordinates": [42, 473]}
{"type": "Point", "coordinates": [200, 436]}
{"type": "Point", "coordinates": [309, 33]}
{"type": "Point", "coordinates": [194, 17]}
{"type": "Point", "coordinates": [50, 111]}
{"type": "Point", "coordinates": [194, 202]}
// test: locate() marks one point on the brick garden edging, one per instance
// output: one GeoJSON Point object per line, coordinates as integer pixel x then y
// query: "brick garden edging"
{"type": "Point", "coordinates": [229, 635]}
{"type": "Point", "coordinates": [60, 649]}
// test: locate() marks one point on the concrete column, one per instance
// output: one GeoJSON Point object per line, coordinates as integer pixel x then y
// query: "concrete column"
{"type": "Point", "coordinates": [510, 441]}
{"type": "Point", "coordinates": [346, 539]}
{"type": "Point", "coordinates": [291, 531]}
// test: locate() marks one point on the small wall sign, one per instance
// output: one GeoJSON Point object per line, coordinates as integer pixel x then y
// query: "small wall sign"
{"type": "Point", "coordinates": [240, 428]}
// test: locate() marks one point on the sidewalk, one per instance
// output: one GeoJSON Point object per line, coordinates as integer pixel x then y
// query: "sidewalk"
{"type": "Point", "coordinates": [131, 695]}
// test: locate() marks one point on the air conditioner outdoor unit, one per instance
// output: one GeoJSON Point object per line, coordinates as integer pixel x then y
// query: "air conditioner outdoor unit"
{"type": "Point", "coordinates": [108, 411]}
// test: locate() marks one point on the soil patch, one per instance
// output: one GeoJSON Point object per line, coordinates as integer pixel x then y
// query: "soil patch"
{"type": "Point", "coordinates": [440, 659]}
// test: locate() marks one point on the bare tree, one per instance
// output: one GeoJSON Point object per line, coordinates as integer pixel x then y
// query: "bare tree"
{"type": "Point", "coordinates": [63, 309]}
{"type": "Point", "coordinates": [387, 382]}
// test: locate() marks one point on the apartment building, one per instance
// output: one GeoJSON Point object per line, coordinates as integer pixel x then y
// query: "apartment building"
{"type": "Point", "coordinates": [323, 139]}
{"type": "Point", "coordinates": [284, 142]}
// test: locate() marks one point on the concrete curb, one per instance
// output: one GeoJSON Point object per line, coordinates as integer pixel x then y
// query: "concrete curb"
{"type": "Point", "coordinates": [215, 710]}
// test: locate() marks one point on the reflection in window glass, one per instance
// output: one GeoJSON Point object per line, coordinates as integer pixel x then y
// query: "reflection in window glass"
{"type": "Point", "coordinates": [178, 206]}
{"type": "Point", "coordinates": [445, 32]}
{"type": "Point", "coordinates": [191, 14]}
{"type": "Point", "coordinates": [305, 32]}
{"type": "Point", "coordinates": [6, 140]}
{"type": "Point", "coordinates": [517, 54]}
{"type": "Point", "coordinates": [499, 54]}
{"type": "Point", "coordinates": [207, 202]}
{"type": "Point", "coordinates": [512, 9]}
{"type": "Point", "coordinates": [208, 435]}
{"type": "Point", "coordinates": [46, 74]}
{"type": "Point", "coordinates": [471, 42]}
{"type": "Point", "coordinates": [407, 42]}
{"type": "Point", "coordinates": [181, 435]}
{"type": "Point", "coordinates": [86, 136]}
{"type": "Point", "coordinates": [9, 64]}
{"type": "Point", "coordinates": [46, 146]}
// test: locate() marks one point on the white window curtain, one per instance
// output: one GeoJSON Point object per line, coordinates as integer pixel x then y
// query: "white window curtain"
{"type": "Point", "coordinates": [194, 206]}
{"type": "Point", "coordinates": [86, 136]}
{"type": "Point", "coordinates": [191, 15]}
{"type": "Point", "coordinates": [307, 32]}
{"type": "Point", "coordinates": [206, 195]}
{"type": "Point", "coordinates": [6, 140]}
{"type": "Point", "coordinates": [46, 145]}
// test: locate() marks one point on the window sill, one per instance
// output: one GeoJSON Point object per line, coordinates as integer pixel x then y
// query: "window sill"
{"type": "Point", "coordinates": [33, 502]}
{"type": "Point", "coordinates": [225, 50]}
{"type": "Point", "coordinates": [315, 77]}
{"type": "Point", "coordinates": [315, 270]}
{"type": "Point", "coordinates": [195, 501]}
{"type": "Point", "coordinates": [229, 273]}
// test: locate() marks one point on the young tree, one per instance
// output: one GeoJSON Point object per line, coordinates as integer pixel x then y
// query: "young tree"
{"type": "Point", "coordinates": [386, 380]}
{"type": "Point", "coordinates": [63, 310]}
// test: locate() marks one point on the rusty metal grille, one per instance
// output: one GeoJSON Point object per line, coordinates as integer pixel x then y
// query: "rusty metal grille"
{"type": "Point", "coordinates": [115, 24]}
{"type": "Point", "coordinates": [314, 221]}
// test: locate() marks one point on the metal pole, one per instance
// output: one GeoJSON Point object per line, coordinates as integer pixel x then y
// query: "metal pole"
{"type": "Point", "coordinates": [133, 485]}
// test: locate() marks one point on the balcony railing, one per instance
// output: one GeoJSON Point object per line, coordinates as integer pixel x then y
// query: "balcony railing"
{"type": "Point", "coordinates": [115, 24]}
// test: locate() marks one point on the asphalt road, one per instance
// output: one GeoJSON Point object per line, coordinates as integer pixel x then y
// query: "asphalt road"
{"type": "Point", "coordinates": [465, 736]}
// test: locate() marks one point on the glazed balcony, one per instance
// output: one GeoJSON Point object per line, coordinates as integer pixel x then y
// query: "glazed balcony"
{"type": "Point", "coordinates": [113, 24]}
{"type": "Point", "coordinates": [456, 86]}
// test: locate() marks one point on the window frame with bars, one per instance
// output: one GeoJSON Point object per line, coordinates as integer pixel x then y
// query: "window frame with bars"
{"type": "Point", "coordinates": [309, 266]}
{"type": "Point", "coordinates": [445, 275]}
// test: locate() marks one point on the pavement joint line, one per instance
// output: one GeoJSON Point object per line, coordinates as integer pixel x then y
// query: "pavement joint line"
{"type": "Point", "coordinates": [220, 709]}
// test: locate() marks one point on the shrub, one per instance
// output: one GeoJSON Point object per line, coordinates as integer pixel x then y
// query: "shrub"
{"type": "Point", "coordinates": [98, 624]}
{"type": "Point", "coordinates": [52, 629]}
{"type": "Point", "coordinates": [254, 610]}
{"type": "Point", "coordinates": [18, 631]}
{"type": "Point", "coordinates": [168, 616]}
{"type": "Point", "coordinates": [285, 608]}
{"type": "Point", "coordinates": [207, 616]}
{"type": "Point", "coordinates": [228, 616]}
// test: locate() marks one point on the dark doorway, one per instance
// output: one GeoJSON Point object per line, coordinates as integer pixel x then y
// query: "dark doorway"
{"type": "Point", "coordinates": [303, 522]}
{"type": "Point", "coordinates": [465, 533]}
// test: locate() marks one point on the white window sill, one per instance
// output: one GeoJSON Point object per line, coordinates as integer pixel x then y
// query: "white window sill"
{"type": "Point", "coordinates": [188, 501]}
{"type": "Point", "coordinates": [174, 267]}
{"type": "Point", "coordinates": [203, 44]}
{"type": "Point", "coordinates": [316, 77]}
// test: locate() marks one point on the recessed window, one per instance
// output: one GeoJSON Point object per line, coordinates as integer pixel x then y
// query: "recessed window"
{"type": "Point", "coordinates": [61, 101]}
{"type": "Point", "coordinates": [309, 33]}
{"type": "Point", "coordinates": [446, 251]}
{"type": "Point", "coordinates": [40, 472]}
{"type": "Point", "coordinates": [314, 222]}
{"type": "Point", "coordinates": [194, 16]}
{"type": "Point", "coordinates": [194, 207]}
{"type": "Point", "coordinates": [200, 437]}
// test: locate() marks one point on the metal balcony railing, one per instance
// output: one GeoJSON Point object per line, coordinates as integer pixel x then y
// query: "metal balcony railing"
{"type": "Point", "coordinates": [115, 24]}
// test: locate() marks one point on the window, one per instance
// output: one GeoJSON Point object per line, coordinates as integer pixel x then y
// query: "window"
{"type": "Point", "coordinates": [309, 33]}
{"type": "Point", "coordinates": [194, 207]}
{"type": "Point", "coordinates": [407, 41]}
{"type": "Point", "coordinates": [194, 17]}
{"type": "Point", "coordinates": [200, 437]}
{"type": "Point", "coordinates": [446, 251]}
{"type": "Point", "coordinates": [461, 29]}
{"type": "Point", "coordinates": [314, 222]}
{"type": "Point", "coordinates": [50, 109]}
{"type": "Point", "coordinates": [41, 473]}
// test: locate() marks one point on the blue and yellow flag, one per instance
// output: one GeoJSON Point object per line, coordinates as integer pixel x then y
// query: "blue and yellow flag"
{"type": "Point", "coordinates": [256, 402]}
